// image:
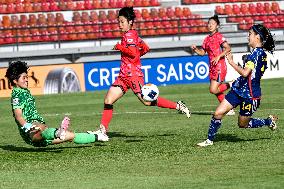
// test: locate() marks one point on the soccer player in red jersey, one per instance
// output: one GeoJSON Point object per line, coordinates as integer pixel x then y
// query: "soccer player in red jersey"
{"type": "Point", "coordinates": [132, 47]}
{"type": "Point", "coordinates": [216, 47]}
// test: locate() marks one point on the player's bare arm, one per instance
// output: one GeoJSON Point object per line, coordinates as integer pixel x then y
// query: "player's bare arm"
{"type": "Point", "coordinates": [242, 71]}
{"type": "Point", "coordinates": [197, 50]}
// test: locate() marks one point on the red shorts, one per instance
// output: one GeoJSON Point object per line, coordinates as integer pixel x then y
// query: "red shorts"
{"type": "Point", "coordinates": [134, 83]}
{"type": "Point", "coordinates": [218, 72]}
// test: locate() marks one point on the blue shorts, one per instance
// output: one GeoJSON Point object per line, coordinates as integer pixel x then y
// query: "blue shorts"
{"type": "Point", "coordinates": [247, 106]}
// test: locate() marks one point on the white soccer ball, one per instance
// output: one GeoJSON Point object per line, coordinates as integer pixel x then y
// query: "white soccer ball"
{"type": "Point", "coordinates": [150, 92]}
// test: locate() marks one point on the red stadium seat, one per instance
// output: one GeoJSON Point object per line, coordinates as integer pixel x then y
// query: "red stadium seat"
{"type": "Point", "coordinates": [51, 20]}
{"type": "Point", "coordinates": [70, 5]}
{"type": "Point", "coordinates": [41, 21]}
{"type": "Point", "coordinates": [244, 9]}
{"type": "Point", "coordinates": [44, 35]}
{"type": "Point", "coordinates": [35, 35]}
{"type": "Point", "coordinates": [145, 3]}
{"type": "Point", "coordinates": [6, 22]}
{"type": "Point", "coordinates": [36, 7]}
{"type": "Point", "coordinates": [88, 5]}
{"type": "Point", "coordinates": [32, 20]}
{"type": "Point", "coordinates": [15, 22]}
{"type": "Point", "coordinates": [275, 7]}
{"type": "Point", "coordinates": [260, 8]}
{"type": "Point", "coordinates": [236, 9]}
{"type": "Point", "coordinates": [11, 8]}
{"type": "Point", "coordinates": [94, 16]}
{"type": "Point", "coordinates": [154, 3]}
{"type": "Point", "coordinates": [252, 9]}
{"type": "Point", "coordinates": [3, 9]}
{"type": "Point", "coordinates": [8, 37]}
{"type": "Point", "coordinates": [80, 5]}
{"type": "Point", "coordinates": [186, 12]}
{"type": "Point", "coordinates": [76, 17]}
{"type": "Point", "coordinates": [105, 4]}
{"type": "Point", "coordinates": [59, 18]}
{"type": "Point", "coordinates": [96, 4]}
{"type": "Point", "coordinates": [20, 8]}
{"type": "Point", "coordinates": [28, 7]}
{"type": "Point", "coordinates": [228, 10]}
{"type": "Point", "coordinates": [129, 3]}
{"type": "Point", "coordinates": [53, 6]}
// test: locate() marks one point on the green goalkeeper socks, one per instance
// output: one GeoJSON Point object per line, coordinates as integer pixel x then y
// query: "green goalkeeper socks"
{"type": "Point", "coordinates": [48, 134]}
{"type": "Point", "coordinates": [84, 138]}
{"type": "Point", "coordinates": [80, 138]}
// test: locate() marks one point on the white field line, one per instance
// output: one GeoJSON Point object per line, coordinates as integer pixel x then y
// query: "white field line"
{"type": "Point", "coordinates": [137, 112]}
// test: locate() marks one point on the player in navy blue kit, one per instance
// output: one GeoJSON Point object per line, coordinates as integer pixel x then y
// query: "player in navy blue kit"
{"type": "Point", "coordinates": [246, 91]}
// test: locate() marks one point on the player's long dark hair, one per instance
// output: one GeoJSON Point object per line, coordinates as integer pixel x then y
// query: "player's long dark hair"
{"type": "Point", "coordinates": [128, 13]}
{"type": "Point", "coordinates": [215, 18]}
{"type": "Point", "coordinates": [15, 69]}
{"type": "Point", "coordinates": [266, 37]}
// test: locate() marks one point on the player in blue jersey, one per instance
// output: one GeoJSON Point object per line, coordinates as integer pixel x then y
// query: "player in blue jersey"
{"type": "Point", "coordinates": [246, 91]}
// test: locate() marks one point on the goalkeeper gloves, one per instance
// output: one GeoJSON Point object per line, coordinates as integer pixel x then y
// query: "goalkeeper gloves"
{"type": "Point", "coordinates": [27, 126]}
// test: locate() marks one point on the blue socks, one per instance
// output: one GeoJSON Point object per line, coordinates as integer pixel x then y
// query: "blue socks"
{"type": "Point", "coordinates": [258, 122]}
{"type": "Point", "coordinates": [213, 128]}
{"type": "Point", "coordinates": [215, 124]}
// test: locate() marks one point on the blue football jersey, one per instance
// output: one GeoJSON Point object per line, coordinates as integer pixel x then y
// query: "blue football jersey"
{"type": "Point", "coordinates": [249, 87]}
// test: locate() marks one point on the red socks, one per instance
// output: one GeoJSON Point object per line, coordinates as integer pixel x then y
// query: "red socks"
{"type": "Point", "coordinates": [223, 87]}
{"type": "Point", "coordinates": [164, 103]}
{"type": "Point", "coordinates": [107, 115]}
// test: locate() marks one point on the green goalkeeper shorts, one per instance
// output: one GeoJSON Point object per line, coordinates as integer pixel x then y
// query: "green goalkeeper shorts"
{"type": "Point", "coordinates": [26, 137]}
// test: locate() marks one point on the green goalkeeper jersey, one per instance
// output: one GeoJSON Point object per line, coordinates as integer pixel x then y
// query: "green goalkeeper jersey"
{"type": "Point", "coordinates": [22, 99]}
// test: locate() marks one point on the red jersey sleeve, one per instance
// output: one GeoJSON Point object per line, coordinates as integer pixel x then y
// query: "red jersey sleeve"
{"type": "Point", "coordinates": [129, 44]}
{"type": "Point", "coordinates": [143, 47]}
{"type": "Point", "coordinates": [221, 39]}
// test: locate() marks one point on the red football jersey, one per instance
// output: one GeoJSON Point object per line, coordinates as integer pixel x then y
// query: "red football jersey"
{"type": "Point", "coordinates": [212, 44]}
{"type": "Point", "coordinates": [131, 47]}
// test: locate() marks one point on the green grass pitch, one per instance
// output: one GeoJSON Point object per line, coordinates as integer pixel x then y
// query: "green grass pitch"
{"type": "Point", "coordinates": [149, 147]}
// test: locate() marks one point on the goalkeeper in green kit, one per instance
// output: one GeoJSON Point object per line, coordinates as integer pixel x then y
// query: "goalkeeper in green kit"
{"type": "Point", "coordinates": [31, 125]}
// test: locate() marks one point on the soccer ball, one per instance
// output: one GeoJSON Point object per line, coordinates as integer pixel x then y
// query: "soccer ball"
{"type": "Point", "coordinates": [150, 92]}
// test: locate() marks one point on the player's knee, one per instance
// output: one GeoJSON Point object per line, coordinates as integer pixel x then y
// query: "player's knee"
{"type": "Point", "coordinates": [69, 136]}
{"type": "Point", "coordinates": [213, 91]}
{"type": "Point", "coordinates": [218, 115]}
{"type": "Point", "coordinates": [107, 101]}
{"type": "Point", "coordinates": [108, 106]}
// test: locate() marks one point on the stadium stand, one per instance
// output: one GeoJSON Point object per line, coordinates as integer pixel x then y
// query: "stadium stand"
{"type": "Point", "coordinates": [59, 21]}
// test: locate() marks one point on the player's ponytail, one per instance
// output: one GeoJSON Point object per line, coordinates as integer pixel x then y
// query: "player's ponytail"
{"type": "Point", "coordinates": [215, 18]}
{"type": "Point", "coordinates": [267, 39]}
{"type": "Point", "coordinates": [128, 13]}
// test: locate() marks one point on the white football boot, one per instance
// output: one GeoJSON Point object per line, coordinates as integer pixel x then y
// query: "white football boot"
{"type": "Point", "coordinates": [102, 130]}
{"type": "Point", "coordinates": [273, 124]}
{"type": "Point", "coordinates": [231, 112]}
{"type": "Point", "coordinates": [205, 143]}
{"type": "Point", "coordinates": [182, 108]}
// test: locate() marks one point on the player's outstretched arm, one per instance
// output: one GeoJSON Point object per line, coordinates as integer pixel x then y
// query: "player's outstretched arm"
{"type": "Point", "coordinates": [242, 71]}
